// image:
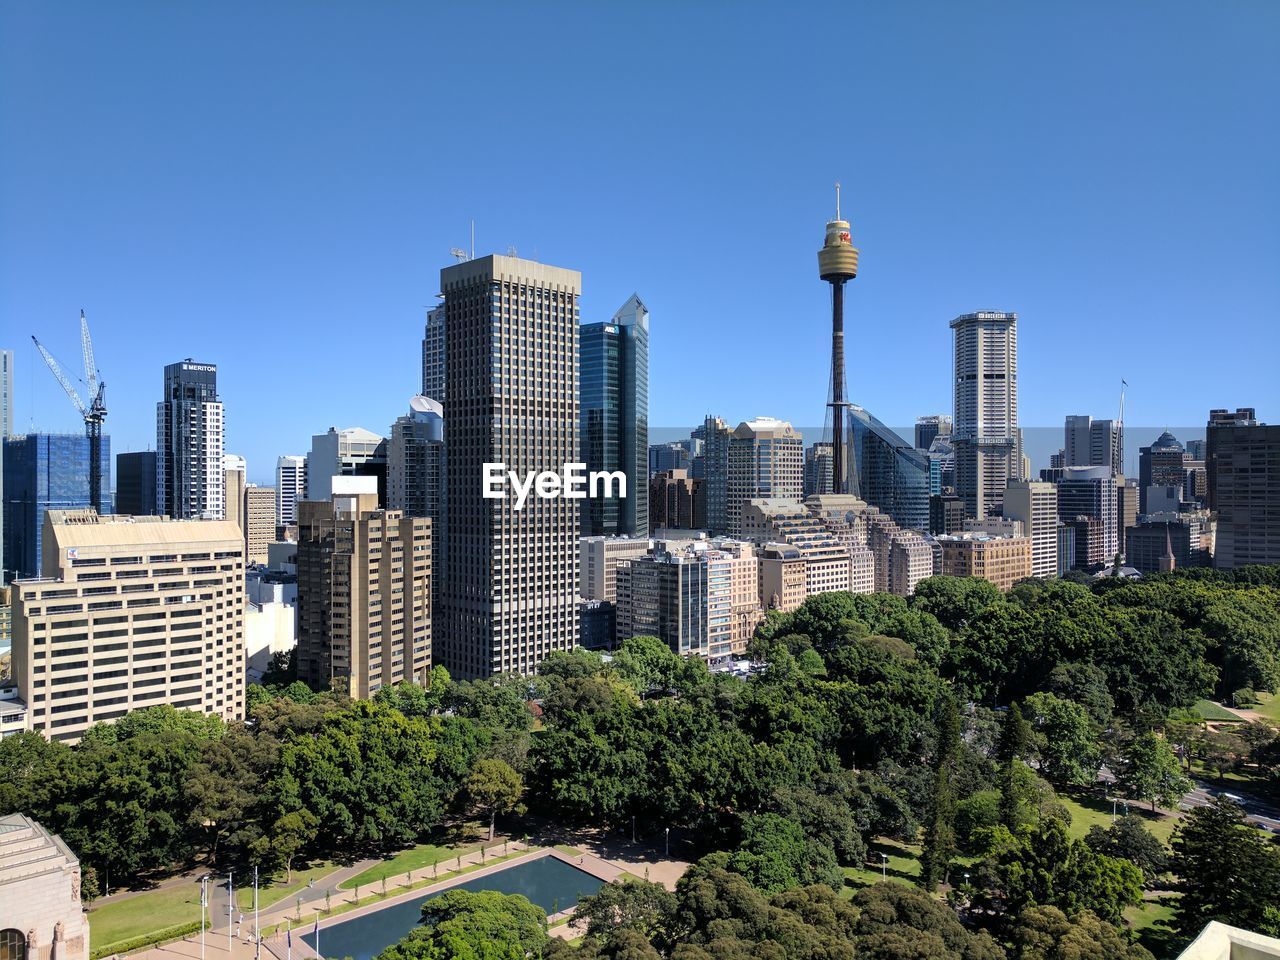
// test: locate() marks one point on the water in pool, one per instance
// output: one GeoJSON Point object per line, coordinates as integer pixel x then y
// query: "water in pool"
{"type": "Point", "coordinates": [548, 882]}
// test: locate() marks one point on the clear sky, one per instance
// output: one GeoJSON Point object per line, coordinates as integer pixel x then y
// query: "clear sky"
{"type": "Point", "coordinates": [273, 187]}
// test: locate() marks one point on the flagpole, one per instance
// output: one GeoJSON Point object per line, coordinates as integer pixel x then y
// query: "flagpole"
{"type": "Point", "coordinates": [204, 902]}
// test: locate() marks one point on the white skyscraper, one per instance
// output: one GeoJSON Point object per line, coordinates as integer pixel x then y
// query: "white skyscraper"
{"type": "Point", "coordinates": [987, 441]}
{"type": "Point", "coordinates": [291, 486]}
{"type": "Point", "coordinates": [190, 483]}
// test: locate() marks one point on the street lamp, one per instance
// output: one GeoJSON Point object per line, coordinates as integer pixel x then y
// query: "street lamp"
{"type": "Point", "coordinates": [884, 866]}
{"type": "Point", "coordinates": [666, 835]}
{"type": "Point", "coordinates": [633, 828]}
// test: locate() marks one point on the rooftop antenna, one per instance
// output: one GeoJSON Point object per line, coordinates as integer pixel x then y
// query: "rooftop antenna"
{"type": "Point", "coordinates": [837, 199]}
{"type": "Point", "coordinates": [458, 254]}
{"type": "Point", "coordinates": [473, 238]}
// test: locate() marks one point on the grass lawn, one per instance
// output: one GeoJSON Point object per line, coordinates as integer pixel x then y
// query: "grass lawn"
{"type": "Point", "coordinates": [415, 858]}
{"type": "Point", "coordinates": [903, 866]}
{"type": "Point", "coordinates": [1088, 811]}
{"type": "Point", "coordinates": [1152, 923]}
{"type": "Point", "coordinates": [1269, 707]}
{"type": "Point", "coordinates": [279, 890]}
{"type": "Point", "coordinates": [1212, 711]}
{"type": "Point", "coordinates": [143, 913]}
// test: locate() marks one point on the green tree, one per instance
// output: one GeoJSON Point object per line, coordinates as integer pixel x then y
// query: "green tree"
{"type": "Point", "coordinates": [1046, 933]}
{"type": "Point", "coordinates": [1152, 772]}
{"type": "Point", "coordinates": [1228, 870]}
{"type": "Point", "coordinates": [493, 788]}
{"type": "Point", "coordinates": [1065, 739]}
{"type": "Point", "coordinates": [288, 837]}
{"type": "Point", "coordinates": [461, 925]}
{"type": "Point", "coordinates": [776, 855]}
{"type": "Point", "coordinates": [939, 830]}
{"type": "Point", "coordinates": [636, 906]}
{"type": "Point", "coordinates": [1129, 839]}
{"type": "Point", "coordinates": [1015, 741]}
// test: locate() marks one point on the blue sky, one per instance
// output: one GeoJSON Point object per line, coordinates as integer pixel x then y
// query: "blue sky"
{"type": "Point", "coordinates": [274, 188]}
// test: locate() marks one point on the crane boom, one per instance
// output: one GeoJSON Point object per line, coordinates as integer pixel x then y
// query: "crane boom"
{"type": "Point", "coordinates": [61, 377]}
{"type": "Point", "coordinates": [90, 368]}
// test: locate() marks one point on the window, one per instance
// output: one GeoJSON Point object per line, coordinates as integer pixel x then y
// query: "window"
{"type": "Point", "coordinates": [13, 945]}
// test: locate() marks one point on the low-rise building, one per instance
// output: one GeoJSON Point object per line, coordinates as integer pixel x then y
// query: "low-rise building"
{"type": "Point", "coordinates": [41, 915]}
{"type": "Point", "coordinates": [1002, 560]}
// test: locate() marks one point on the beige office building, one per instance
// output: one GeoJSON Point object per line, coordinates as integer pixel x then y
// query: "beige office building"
{"type": "Point", "coordinates": [233, 483]}
{"type": "Point", "coordinates": [1035, 503]}
{"type": "Point", "coordinates": [600, 559]}
{"type": "Point", "coordinates": [364, 592]}
{"type": "Point", "coordinates": [259, 512]}
{"type": "Point", "coordinates": [1001, 560]}
{"type": "Point", "coordinates": [131, 612]}
{"type": "Point", "coordinates": [766, 460]}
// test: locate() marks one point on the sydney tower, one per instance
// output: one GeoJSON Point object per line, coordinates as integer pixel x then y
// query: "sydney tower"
{"type": "Point", "coordinates": [838, 262]}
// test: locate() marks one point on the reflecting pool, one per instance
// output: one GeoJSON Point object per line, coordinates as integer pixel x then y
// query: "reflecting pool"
{"type": "Point", "coordinates": [548, 882]}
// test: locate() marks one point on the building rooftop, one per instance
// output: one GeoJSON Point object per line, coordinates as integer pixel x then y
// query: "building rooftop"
{"type": "Point", "coordinates": [29, 850]}
{"type": "Point", "coordinates": [1218, 941]}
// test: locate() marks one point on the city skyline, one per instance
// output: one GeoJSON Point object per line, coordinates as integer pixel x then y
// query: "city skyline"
{"type": "Point", "coordinates": [172, 234]}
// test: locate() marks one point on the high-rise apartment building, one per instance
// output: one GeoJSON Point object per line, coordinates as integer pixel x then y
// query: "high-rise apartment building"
{"type": "Point", "coordinates": [1035, 504]}
{"type": "Point", "coordinates": [1243, 467]}
{"type": "Point", "coordinates": [613, 406]}
{"type": "Point", "coordinates": [353, 452]}
{"type": "Point", "coordinates": [510, 580]}
{"type": "Point", "coordinates": [136, 483]}
{"type": "Point", "coordinates": [42, 472]}
{"type": "Point", "coordinates": [189, 444]}
{"type": "Point", "coordinates": [1091, 492]}
{"type": "Point", "coordinates": [291, 486]}
{"type": "Point", "coordinates": [1001, 560]}
{"type": "Point", "coordinates": [988, 444]}
{"type": "Point", "coordinates": [433, 355]}
{"type": "Point", "coordinates": [766, 459]}
{"type": "Point", "coordinates": [364, 592]}
{"type": "Point", "coordinates": [892, 475]}
{"type": "Point", "coordinates": [130, 612]}
{"type": "Point", "coordinates": [233, 483]}
{"type": "Point", "coordinates": [415, 461]}
{"type": "Point", "coordinates": [259, 513]}
{"type": "Point", "coordinates": [1093, 443]}
{"type": "Point", "coordinates": [930, 428]}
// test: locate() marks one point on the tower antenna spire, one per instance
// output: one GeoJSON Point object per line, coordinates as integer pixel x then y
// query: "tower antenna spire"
{"type": "Point", "coordinates": [837, 199]}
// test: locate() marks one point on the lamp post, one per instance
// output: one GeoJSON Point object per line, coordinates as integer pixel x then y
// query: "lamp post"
{"type": "Point", "coordinates": [633, 828]}
{"type": "Point", "coordinates": [884, 866]}
{"type": "Point", "coordinates": [231, 898]}
{"type": "Point", "coordinates": [204, 902]}
{"type": "Point", "coordinates": [666, 835]}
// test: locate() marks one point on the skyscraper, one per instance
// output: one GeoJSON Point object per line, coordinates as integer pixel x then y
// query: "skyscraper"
{"type": "Point", "coordinates": [433, 355]}
{"type": "Point", "coordinates": [353, 452]}
{"type": "Point", "coordinates": [259, 522]}
{"type": "Point", "coordinates": [892, 474]}
{"type": "Point", "coordinates": [987, 442]}
{"type": "Point", "coordinates": [613, 404]}
{"type": "Point", "coordinates": [1035, 503]}
{"type": "Point", "coordinates": [1093, 443]}
{"type": "Point", "coordinates": [291, 486]}
{"type": "Point", "coordinates": [511, 396]}
{"type": "Point", "coordinates": [44, 472]}
{"type": "Point", "coordinates": [189, 443]}
{"type": "Point", "coordinates": [415, 463]}
{"type": "Point", "coordinates": [927, 428]}
{"type": "Point", "coordinates": [136, 483]}
{"type": "Point", "coordinates": [715, 473]}
{"type": "Point", "coordinates": [1162, 464]}
{"type": "Point", "coordinates": [766, 459]}
{"type": "Point", "coordinates": [1090, 492]}
{"type": "Point", "coordinates": [234, 480]}
{"type": "Point", "coordinates": [1243, 464]}
{"type": "Point", "coordinates": [817, 469]}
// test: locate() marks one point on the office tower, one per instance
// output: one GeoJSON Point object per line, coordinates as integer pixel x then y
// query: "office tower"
{"type": "Point", "coordinates": [291, 486]}
{"type": "Point", "coordinates": [1186, 538]}
{"type": "Point", "coordinates": [1197, 449]}
{"type": "Point", "coordinates": [415, 461]}
{"type": "Point", "coordinates": [130, 612]}
{"type": "Point", "coordinates": [613, 406]}
{"type": "Point", "coordinates": [987, 442]}
{"type": "Point", "coordinates": [136, 483]}
{"type": "Point", "coordinates": [931, 427]}
{"type": "Point", "coordinates": [1066, 547]}
{"type": "Point", "coordinates": [1243, 467]}
{"type": "Point", "coordinates": [1126, 510]}
{"type": "Point", "coordinates": [259, 513]}
{"type": "Point", "coordinates": [892, 474]}
{"type": "Point", "coordinates": [43, 472]}
{"type": "Point", "coordinates": [838, 264]}
{"type": "Point", "coordinates": [946, 513]}
{"type": "Point", "coordinates": [766, 459]}
{"type": "Point", "coordinates": [433, 355]}
{"type": "Point", "coordinates": [1093, 443]}
{"type": "Point", "coordinates": [510, 579]}
{"type": "Point", "coordinates": [364, 592]}
{"type": "Point", "coordinates": [189, 444]}
{"type": "Point", "coordinates": [1001, 560]}
{"type": "Point", "coordinates": [1160, 465]}
{"type": "Point", "coordinates": [818, 469]}
{"type": "Point", "coordinates": [6, 428]}
{"type": "Point", "coordinates": [1035, 504]}
{"type": "Point", "coordinates": [353, 452]}
{"type": "Point", "coordinates": [601, 557]}
{"type": "Point", "coordinates": [233, 484]}
{"type": "Point", "coordinates": [677, 502]}
{"type": "Point", "coordinates": [1091, 492]}
{"type": "Point", "coordinates": [668, 456]}
{"type": "Point", "coordinates": [715, 473]}
{"type": "Point", "coordinates": [942, 465]}
{"type": "Point", "coordinates": [701, 600]}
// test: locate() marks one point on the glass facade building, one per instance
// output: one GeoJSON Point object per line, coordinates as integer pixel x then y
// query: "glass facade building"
{"type": "Point", "coordinates": [613, 406]}
{"type": "Point", "coordinates": [892, 474]}
{"type": "Point", "coordinates": [42, 472]}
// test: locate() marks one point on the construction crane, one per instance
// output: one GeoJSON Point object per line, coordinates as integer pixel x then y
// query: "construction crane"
{"type": "Point", "coordinates": [94, 412]}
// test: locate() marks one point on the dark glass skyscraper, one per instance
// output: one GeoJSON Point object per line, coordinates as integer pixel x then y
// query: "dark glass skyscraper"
{"type": "Point", "coordinates": [136, 483]}
{"type": "Point", "coordinates": [892, 474]}
{"type": "Point", "coordinates": [613, 406]}
{"type": "Point", "coordinates": [43, 472]}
